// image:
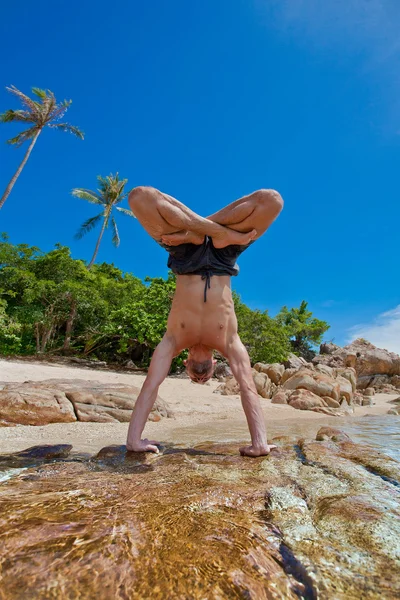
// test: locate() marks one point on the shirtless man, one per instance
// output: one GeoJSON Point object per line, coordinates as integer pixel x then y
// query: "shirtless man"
{"type": "Point", "coordinates": [203, 255]}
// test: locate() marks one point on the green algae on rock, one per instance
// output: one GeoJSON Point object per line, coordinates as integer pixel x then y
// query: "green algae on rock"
{"type": "Point", "coordinates": [314, 519]}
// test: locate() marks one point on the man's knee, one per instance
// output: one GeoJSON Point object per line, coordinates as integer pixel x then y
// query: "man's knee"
{"type": "Point", "coordinates": [140, 195]}
{"type": "Point", "coordinates": [270, 200]}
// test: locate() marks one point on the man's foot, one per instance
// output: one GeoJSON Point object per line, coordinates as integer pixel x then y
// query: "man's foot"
{"type": "Point", "coordinates": [182, 237]}
{"type": "Point", "coordinates": [143, 446]}
{"type": "Point", "coordinates": [254, 451]}
{"type": "Point", "coordinates": [230, 237]}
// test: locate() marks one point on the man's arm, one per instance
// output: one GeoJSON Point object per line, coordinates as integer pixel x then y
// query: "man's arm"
{"type": "Point", "coordinates": [240, 364]}
{"type": "Point", "coordinates": [158, 370]}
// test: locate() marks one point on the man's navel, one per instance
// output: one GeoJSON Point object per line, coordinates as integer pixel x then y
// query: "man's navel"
{"type": "Point", "coordinates": [182, 325]}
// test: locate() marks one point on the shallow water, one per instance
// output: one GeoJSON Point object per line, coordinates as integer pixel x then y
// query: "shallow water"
{"type": "Point", "coordinates": [382, 432]}
{"type": "Point", "coordinates": [312, 520]}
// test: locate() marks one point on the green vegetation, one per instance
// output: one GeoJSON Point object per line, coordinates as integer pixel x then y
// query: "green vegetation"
{"type": "Point", "coordinates": [37, 114]}
{"type": "Point", "coordinates": [51, 303]}
{"type": "Point", "coordinates": [305, 331]}
{"type": "Point", "coordinates": [110, 193]}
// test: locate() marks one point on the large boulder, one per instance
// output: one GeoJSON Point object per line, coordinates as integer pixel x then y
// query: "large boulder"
{"type": "Point", "coordinates": [25, 404]}
{"type": "Point", "coordinates": [305, 400]}
{"type": "Point", "coordinates": [222, 370]}
{"type": "Point", "coordinates": [345, 388]}
{"type": "Point", "coordinates": [287, 374]}
{"type": "Point", "coordinates": [263, 384]}
{"type": "Point", "coordinates": [395, 381]}
{"type": "Point", "coordinates": [294, 362]}
{"type": "Point", "coordinates": [349, 374]}
{"type": "Point", "coordinates": [61, 401]}
{"type": "Point", "coordinates": [274, 371]}
{"type": "Point", "coordinates": [318, 383]}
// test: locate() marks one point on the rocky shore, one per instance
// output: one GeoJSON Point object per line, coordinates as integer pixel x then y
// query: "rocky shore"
{"type": "Point", "coordinates": [315, 519]}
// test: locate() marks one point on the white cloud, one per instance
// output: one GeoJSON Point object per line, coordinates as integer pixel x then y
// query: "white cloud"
{"type": "Point", "coordinates": [383, 332]}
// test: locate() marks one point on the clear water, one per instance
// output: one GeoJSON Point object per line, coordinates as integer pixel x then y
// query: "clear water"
{"type": "Point", "coordinates": [382, 432]}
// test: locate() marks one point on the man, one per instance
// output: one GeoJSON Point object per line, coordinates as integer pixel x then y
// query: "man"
{"type": "Point", "coordinates": [203, 255]}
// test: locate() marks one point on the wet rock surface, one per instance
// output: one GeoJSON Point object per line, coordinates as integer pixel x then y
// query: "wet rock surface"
{"type": "Point", "coordinates": [314, 519]}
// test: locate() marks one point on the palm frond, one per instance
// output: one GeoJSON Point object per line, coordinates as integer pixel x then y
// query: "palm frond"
{"type": "Point", "coordinates": [22, 137]}
{"type": "Point", "coordinates": [115, 238]}
{"type": "Point", "coordinates": [33, 107]}
{"type": "Point", "coordinates": [87, 226]}
{"type": "Point", "coordinates": [88, 195]}
{"type": "Point", "coordinates": [126, 211]}
{"type": "Point", "coordinates": [19, 116]}
{"type": "Point", "coordinates": [39, 93]}
{"type": "Point", "coordinates": [69, 128]}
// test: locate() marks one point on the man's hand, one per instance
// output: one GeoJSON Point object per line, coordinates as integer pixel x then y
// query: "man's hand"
{"type": "Point", "coordinates": [144, 445]}
{"type": "Point", "coordinates": [254, 451]}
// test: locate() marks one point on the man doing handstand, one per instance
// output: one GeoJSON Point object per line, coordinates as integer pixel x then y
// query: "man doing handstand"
{"type": "Point", "coordinates": [202, 254]}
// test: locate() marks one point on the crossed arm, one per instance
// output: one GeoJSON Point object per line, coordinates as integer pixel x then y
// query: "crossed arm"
{"type": "Point", "coordinates": [158, 371]}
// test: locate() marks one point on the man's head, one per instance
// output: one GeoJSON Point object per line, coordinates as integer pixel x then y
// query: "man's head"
{"type": "Point", "coordinates": [200, 364]}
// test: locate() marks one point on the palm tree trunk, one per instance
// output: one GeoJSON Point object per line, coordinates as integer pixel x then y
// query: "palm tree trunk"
{"type": "Point", "coordinates": [99, 241]}
{"type": "Point", "coordinates": [19, 170]}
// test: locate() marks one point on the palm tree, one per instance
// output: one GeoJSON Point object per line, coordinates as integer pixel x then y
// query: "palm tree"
{"type": "Point", "coordinates": [110, 193]}
{"type": "Point", "coordinates": [44, 112]}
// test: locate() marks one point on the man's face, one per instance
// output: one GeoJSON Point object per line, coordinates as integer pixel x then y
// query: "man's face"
{"type": "Point", "coordinates": [200, 372]}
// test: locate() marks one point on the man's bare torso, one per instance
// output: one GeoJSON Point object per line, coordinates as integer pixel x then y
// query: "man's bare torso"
{"type": "Point", "coordinates": [193, 321]}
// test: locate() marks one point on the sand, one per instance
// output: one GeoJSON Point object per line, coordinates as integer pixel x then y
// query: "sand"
{"type": "Point", "coordinates": [200, 415]}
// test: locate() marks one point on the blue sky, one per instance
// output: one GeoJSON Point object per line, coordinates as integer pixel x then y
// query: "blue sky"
{"type": "Point", "coordinates": [208, 101]}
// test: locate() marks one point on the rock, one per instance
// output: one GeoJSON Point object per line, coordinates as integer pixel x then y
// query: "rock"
{"type": "Point", "coordinates": [331, 402]}
{"type": "Point", "coordinates": [318, 383]}
{"type": "Point", "coordinates": [325, 370]}
{"type": "Point", "coordinates": [371, 360]}
{"type": "Point", "coordinates": [393, 411]}
{"type": "Point", "coordinates": [369, 391]}
{"type": "Point", "coordinates": [287, 374]}
{"type": "Point", "coordinates": [395, 381]}
{"type": "Point", "coordinates": [63, 400]}
{"type": "Point", "coordinates": [229, 388]}
{"type": "Point", "coordinates": [109, 406]}
{"type": "Point", "coordinates": [294, 362]}
{"type": "Point", "coordinates": [274, 371]}
{"type": "Point", "coordinates": [358, 398]}
{"type": "Point", "coordinates": [368, 401]}
{"type": "Point", "coordinates": [34, 455]}
{"type": "Point", "coordinates": [304, 400]}
{"type": "Point", "coordinates": [328, 348]}
{"type": "Point", "coordinates": [26, 405]}
{"type": "Point", "coordinates": [330, 433]}
{"type": "Point", "coordinates": [349, 374]}
{"type": "Point", "coordinates": [222, 371]}
{"type": "Point", "coordinates": [395, 401]}
{"type": "Point", "coordinates": [345, 388]}
{"type": "Point", "coordinates": [85, 362]}
{"type": "Point", "coordinates": [130, 365]}
{"type": "Point", "coordinates": [263, 384]}
{"type": "Point", "coordinates": [379, 381]}
{"type": "Point", "coordinates": [281, 396]}
{"type": "Point", "coordinates": [316, 519]}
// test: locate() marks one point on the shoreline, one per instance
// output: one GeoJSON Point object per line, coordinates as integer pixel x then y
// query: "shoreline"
{"type": "Point", "coordinates": [199, 414]}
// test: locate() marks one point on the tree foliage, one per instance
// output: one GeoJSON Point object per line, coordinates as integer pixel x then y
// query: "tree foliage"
{"type": "Point", "coordinates": [304, 330]}
{"type": "Point", "coordinates": [50, 302]}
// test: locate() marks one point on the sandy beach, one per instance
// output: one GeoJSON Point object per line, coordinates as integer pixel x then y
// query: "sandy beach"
{"type": "Point", "coordinates": [199, 414]}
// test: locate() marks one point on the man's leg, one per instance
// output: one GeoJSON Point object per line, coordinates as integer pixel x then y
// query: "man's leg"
{"type": "Point", "coordinates": [168, 220]}
{"type": "Point", "coordinates": [255, 211]}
